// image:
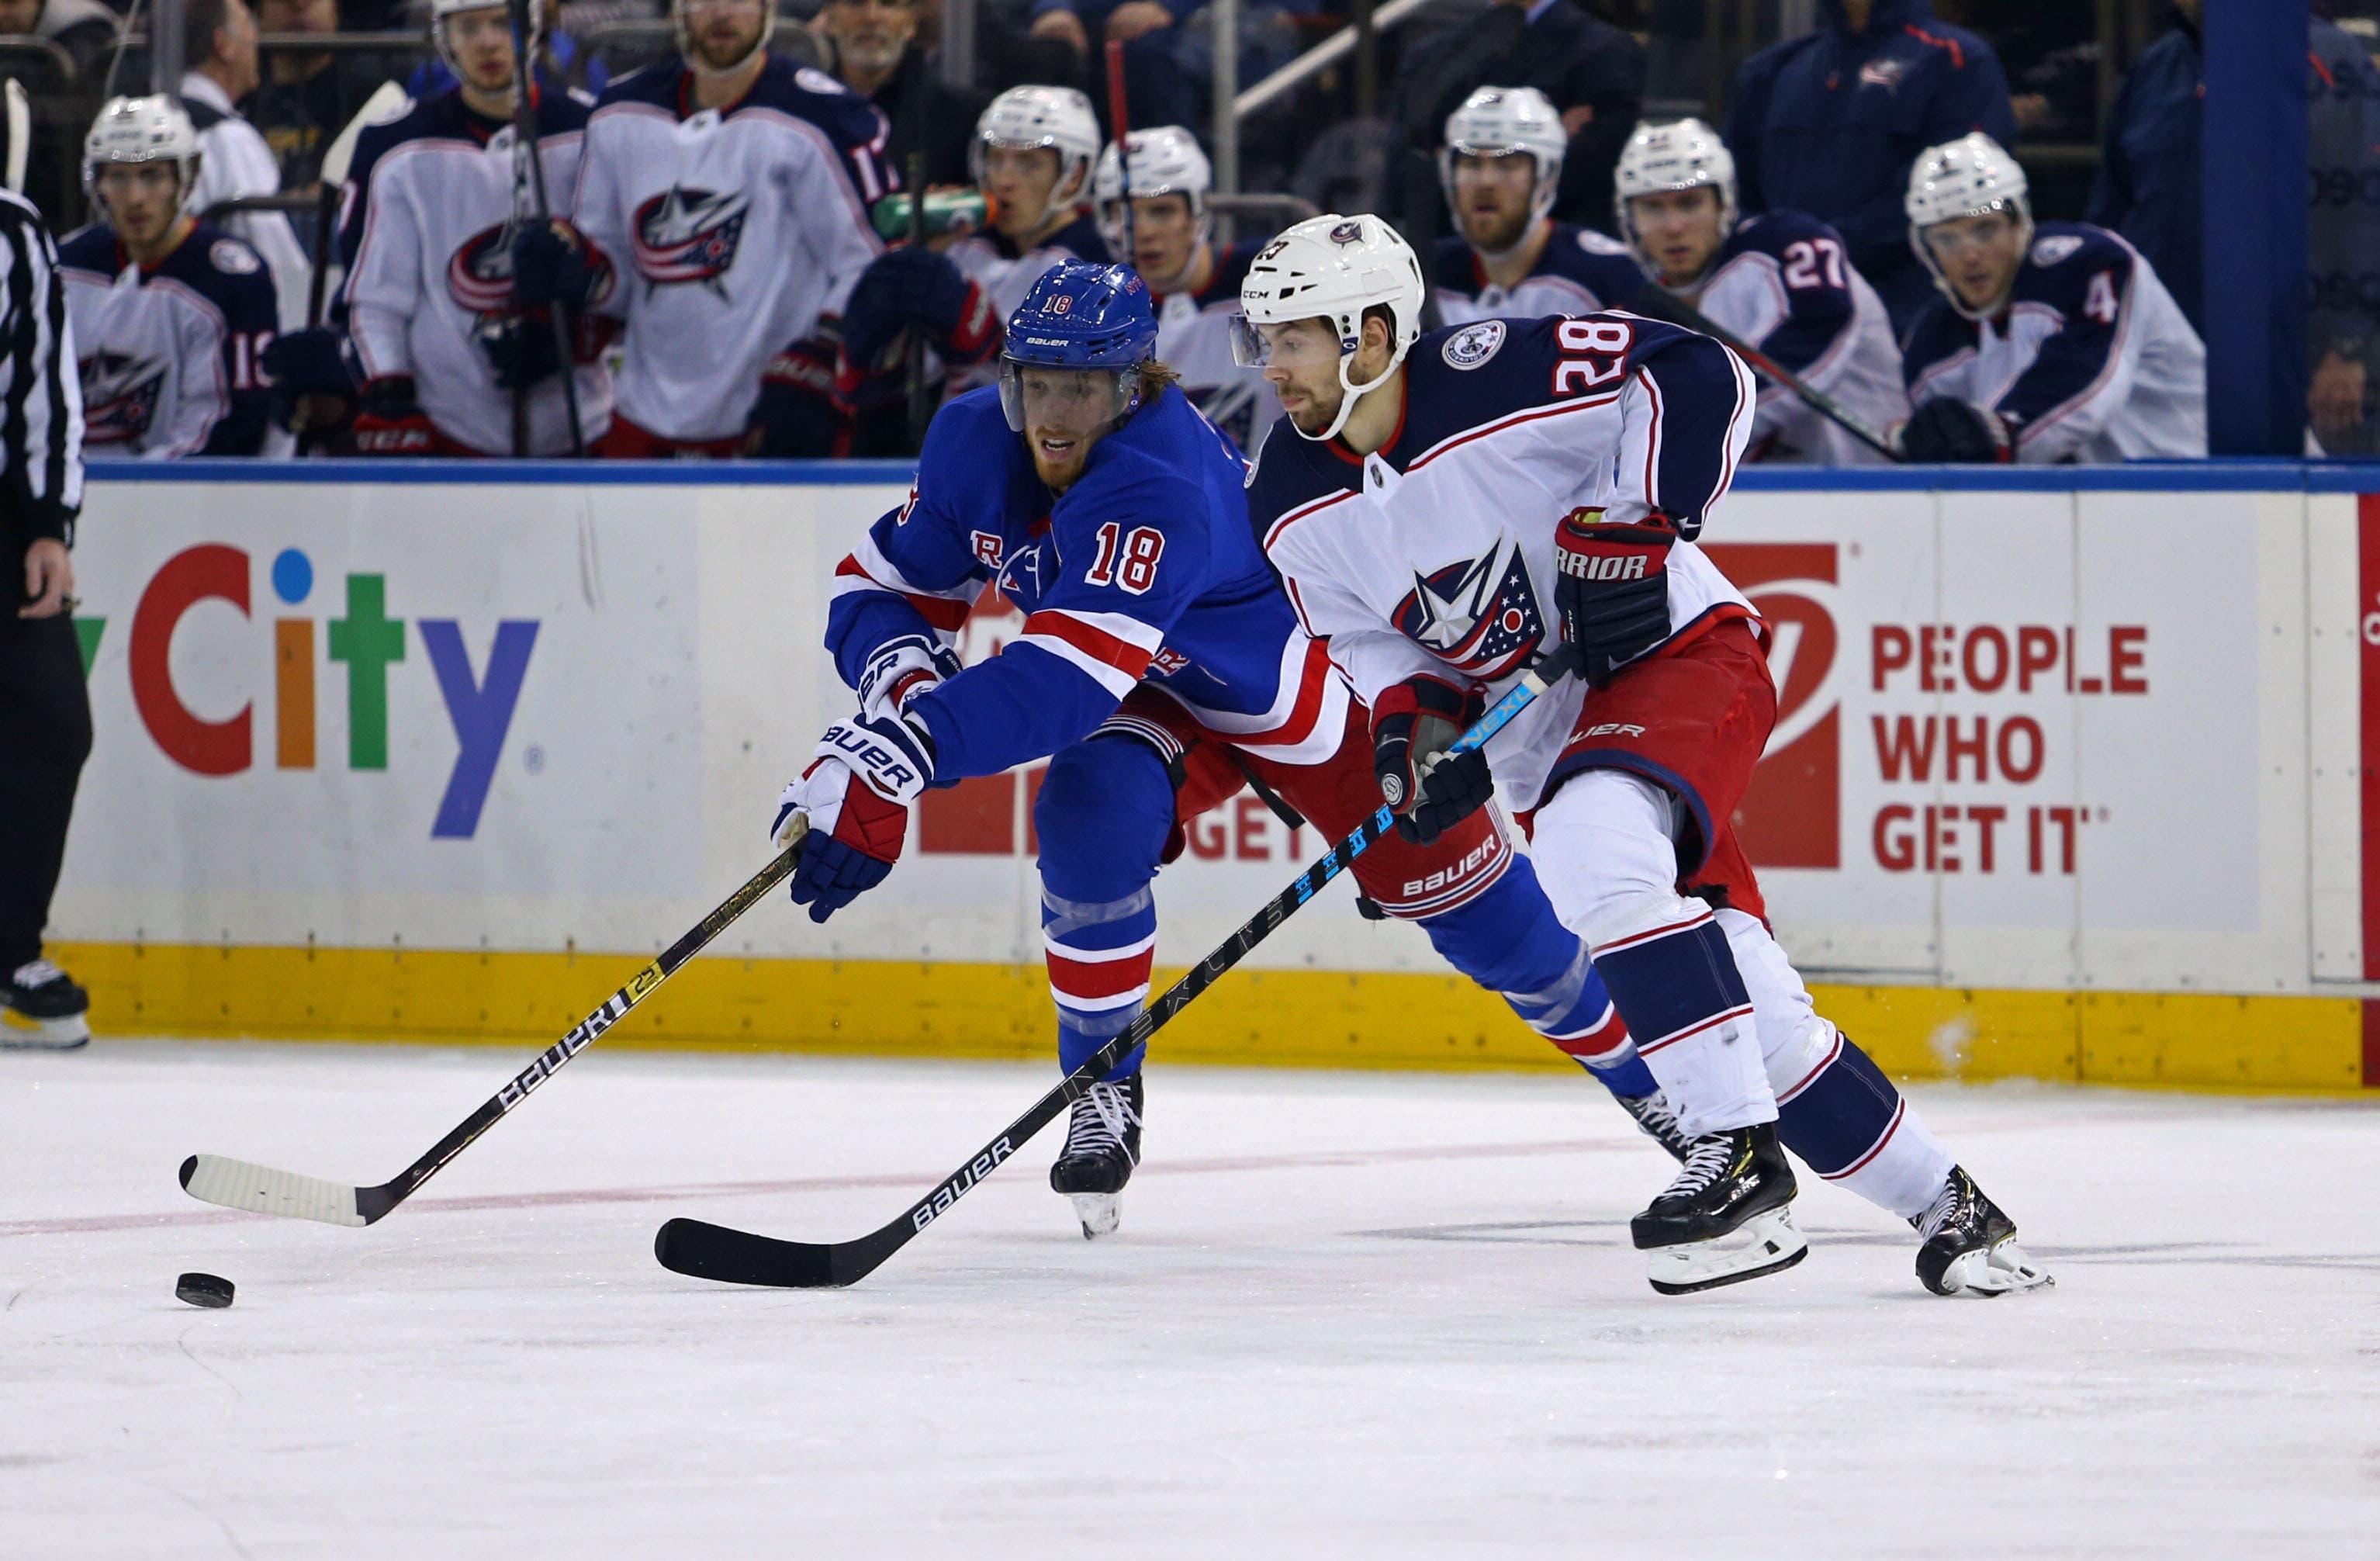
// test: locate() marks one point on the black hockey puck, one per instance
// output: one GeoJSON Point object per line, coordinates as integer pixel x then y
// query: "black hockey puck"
{"type": "Point", "coordinates": [203, 1289]}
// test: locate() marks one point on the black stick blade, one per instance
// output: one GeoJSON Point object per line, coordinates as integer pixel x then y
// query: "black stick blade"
{"type": "Point", "coordinates": [739, 1257]}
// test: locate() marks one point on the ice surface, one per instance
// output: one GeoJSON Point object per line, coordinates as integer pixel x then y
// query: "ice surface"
{"type": "Point", "coordinates": [1347, 1315]}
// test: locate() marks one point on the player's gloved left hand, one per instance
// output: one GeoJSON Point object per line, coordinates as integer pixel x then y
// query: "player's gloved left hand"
{"type": "Point", "coordinates": [900, 670]}
{"type": "Point", "coordinates": [1612, 587]}
{"type": "Point", "coordinates": [914, 286]}
{"type": "Point", "coordinates": [521, 349]}
{"type": "Point", "coordinates": [308, 367]}
{"type": "Point", "coordinates": [1413, 726]}
{"type": "Point", "coordinates": [391, 421]}
{"type": "Point", "coordinates": [550, 266]}
{"type": "Point", "coordinates": [856, 795]}
{"type": "Point", "coordinates": [1947, 429]}
{"type": "Point", "coordinates": [801, 413]}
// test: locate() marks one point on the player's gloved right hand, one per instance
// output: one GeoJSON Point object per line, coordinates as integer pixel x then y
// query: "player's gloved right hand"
{"type": "Point", "coordinates": [900, 670]}
{"type": "Point", "coordinates": [391, 421]}
{"type": "Point", "coordinates": [912, 287]}
{"type": "Point", "coordinates": [308, 369]}
{"type": "Point", "coordinates": [1612, 587]}
{"type": "Point", "coordinates": [1413, 726]}
{"type": "Point", "coordinates": [856, 795]}
{"type": "Point", "coordinates": [1947, 429]}
{"type": "Point", "coordinates": [550, 266]}
{"type": "Point", "coordinates": [801, 412]}
{"type": "Point", "coordinates": [521, 349]}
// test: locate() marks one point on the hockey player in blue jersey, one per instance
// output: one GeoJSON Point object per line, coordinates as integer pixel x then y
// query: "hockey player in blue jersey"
{"type": "Point", "coordinates": [1500, 166]}
{"type": "Point", "coordinates": [171, 316]}
{"type": "Point", "coordinates": [1161, 668]}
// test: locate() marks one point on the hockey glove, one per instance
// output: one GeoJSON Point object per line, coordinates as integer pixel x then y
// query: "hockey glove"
{"type": "Point", "coordinates": [314, 378]}
{"type": "Point", "coordinates": [1947, 429]}
{"type": "Point", "coordinates": [907, 287]}
{"type": "Point", "coordinates": [521, 349]}
{"type": "Point", "coordinates": [857, 794]}
{"type": "Point", "coordinates": [550, 266]}
{"type": "Point", "coordinates": [1413, 726]}
{"type": "Point", "coordinates": [900, 670]}
{"type": "Point", "coordinates": [392, 422]}
{"type": "Point", "coordinates": [801, 414]}
{"type": "Point", "coordinates": [1612, 587]}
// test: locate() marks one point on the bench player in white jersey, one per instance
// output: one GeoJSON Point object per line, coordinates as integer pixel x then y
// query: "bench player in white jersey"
{"type": "Point", "coordinates": [434, 202]}
{"type": "Point", "coordinates": [1500, 166]}
{"type": "Point", "coordinates": [729, 189]}
{"type": "Point", "coordinates": [2050, 343]}
{"type": "Point", "coordinates": [170, 315]}
{"type": "Point", "coordinates": [1441, 499]}
{"type": "Point", "coordinates": [1196, 287]}
{"type": "Point", "coordinates": [1780, 281]}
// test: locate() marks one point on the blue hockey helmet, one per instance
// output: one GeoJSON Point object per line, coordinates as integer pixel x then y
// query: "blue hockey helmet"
{"type": "Point", "coordinates": [1085, 316]}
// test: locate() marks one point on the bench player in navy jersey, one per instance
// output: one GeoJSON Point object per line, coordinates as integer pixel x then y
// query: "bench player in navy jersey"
{"type": "Point", "coordinates": [1781, 281]}
{"type": "Point", "coordinates": [1438, 503]}
{"type": "Point", "coordinates": [1161, 669]}
{"type": "Point", "coordinates": [171, 316]}
{"type": "Point", "coordinates": [1500, 166]}
{"type": "Point", "coordinates": [2051, 342]}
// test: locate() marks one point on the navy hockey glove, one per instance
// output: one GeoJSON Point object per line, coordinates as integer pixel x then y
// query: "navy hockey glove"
{"type": "Point", "coordinates": [800, 413]}
{"type": "Point", "coordinates": [391, 422]}
{"type": "Point", "coordinates": [312, 362]}
{"type": "Point", "coordinates": [1612, 587]}
{"type": "Point", "coordinates": [521, 349]}
{"type": "Point", "coordinates": [1947, 429]}
{"type": "Point", "coordinates": [856, 795]}
{"type": "Point", "coordinates": [899, 670]}
{"type": "Point", "coordinates": [550, 266]}
{"type": "Point", "coordinates": [910, 287]}
{"type": "Point", "coordinates": [1413, 726]}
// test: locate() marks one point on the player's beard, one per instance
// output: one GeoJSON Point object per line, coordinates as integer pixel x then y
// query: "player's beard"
{"type": "Point", "coordinates": [714, 55]}
{"type": "Point", "coordinates": [1312, 415]}
{"type": "Point", "coordinates": [1494, 233]}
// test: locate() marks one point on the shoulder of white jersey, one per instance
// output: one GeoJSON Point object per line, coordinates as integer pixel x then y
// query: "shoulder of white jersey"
{"type": "Point", "coordinates": [1939, 335]}
{"type": "Point", "coordinates": [225, 269]}
{"type": "Point", "coordinates": [563, 113]}
{"type": "Point", "coordinates": [1771, 233]}
{"type": "Point", "coordinates": [1292, 474]}
{"type": "Point", "coordinates": [1453, 266]}
{"type": "Point", "coordinates": [2066, 260]}
{"type": "Point", "coordinates": [90, 247]}
{"type": "Point", "coordinates": [846, 118]}
{"type": "Point", "coordinates": [1230, 270]}
{"type": "Point", "coordinates": [655, 86]}
{"type": "Point", "coordinates": [426, 119]}
{"type": "Point", "coordinates": [1602, 266]}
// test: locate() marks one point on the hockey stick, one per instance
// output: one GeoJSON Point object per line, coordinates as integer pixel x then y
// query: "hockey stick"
{"type": "Point", "coordinates": [525, 147]}
{"type": "Point", "coordinates": [921, 400]}
{"type": "Point", "coordinates": [1663, 304]}
{"type": "Point", "coordinates": [235, 1184]}
{"type": "Point", "coordinates": [1120, 121]}
{"type": "Point", "coordinates": [712, 1252]}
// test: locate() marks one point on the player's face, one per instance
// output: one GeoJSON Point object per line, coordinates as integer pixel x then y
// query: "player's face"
{"type": "Point", "coordinates": [1020, 179]}
{"type": "Point", "coordinates": [1066, 412]}
{"type": "Point", "coordinates": [481, 43]}
{"type": "Point", "coordinates": [1302, 366]}
{"type": "Point", "coordinates": [19, 15]}
{"type": "Point", "coordinates": [1163, 235]}
{"type": "Point", "coordinates": [722, 32]}
{"type": "Point", "coordinates": [1979, 254]}
{"type": "Point", "coordinates": [141, 199]}
{"type": "Point", "coordinates": [297, 15]}
{"type": "Point", "coordinates": [870, 34]}
{"type": "Point", "coordinates": [1676, 230]}
{"type": "Point", "coordinates": [1492, 196]}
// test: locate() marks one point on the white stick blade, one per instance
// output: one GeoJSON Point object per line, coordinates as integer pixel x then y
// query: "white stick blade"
{"type": "Point", "coordinates": [235, 1184]}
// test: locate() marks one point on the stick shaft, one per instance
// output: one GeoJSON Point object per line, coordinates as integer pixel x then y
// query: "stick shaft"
{"type": "Point", "coordinates": [1664, 305]}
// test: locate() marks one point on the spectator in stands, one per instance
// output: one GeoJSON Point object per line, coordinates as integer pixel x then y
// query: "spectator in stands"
{"type": "Point", "coordinates": [306, 100]}
{"type": "Point", "coordinates": [84, 29]}
{"type": "Point", "coordinates": [219, 44]}
{"type": "Point", "coordinates": [169, 315]}
{"type": "Point", "coordinates": [2048, 344]}
{"type": "Point", "coordinates": [876, 55]}
{"type": "Point", "coordinates": [1149, 32]}
{"type": "Point", "coordinates": [1829, 124]}
{"type": "Point", "coordinates": [1591, 72]}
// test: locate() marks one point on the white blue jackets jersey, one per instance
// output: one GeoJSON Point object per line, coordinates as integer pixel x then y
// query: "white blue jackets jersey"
{"type": "Point", "coordinates": [1783, 283]}
{"type": "Point", "coordinates": [2092, 360]}
{"type": "Point", "coordinates": [732, 233]}
{"type": "Point", "coordinates": [170, 353]}
{"type": "Point", "coordinates": [1144, 569]}
{"type": "Point", "coordinates": [1194, 337]}
{"type": "Point", "coordinates": [428, 248]}
{"type": "Point", "coordinates": [1435, 554]}
{"type": "Point", "coordinates": [1579, 272]}
{"type": "Point", "coordinates": [992, 261]}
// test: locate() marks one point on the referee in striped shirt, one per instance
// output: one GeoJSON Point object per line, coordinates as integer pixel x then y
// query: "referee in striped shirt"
{"type": "Point", "coordinates": [44, 705]}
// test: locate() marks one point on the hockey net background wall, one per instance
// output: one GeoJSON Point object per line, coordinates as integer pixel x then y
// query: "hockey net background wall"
{"type": "Point", "coordinates": [2070, 779]}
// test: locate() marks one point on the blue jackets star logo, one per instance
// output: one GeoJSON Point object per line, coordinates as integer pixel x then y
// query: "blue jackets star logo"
{"type": "Point", "coordinates": [1478, 615]}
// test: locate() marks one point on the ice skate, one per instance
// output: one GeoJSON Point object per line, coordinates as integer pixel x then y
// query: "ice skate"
{"type": "Point", "coordinates": [1969, 1245]}
{"type": "Point", "coordinates": [1660, 1124]}
{"type": "Point", "coordinates": [1726, 1218]}
{"type": "Point", "coordinates": [1102, 1146]}
{"type": "Point", "coordinates": [42, 1008]}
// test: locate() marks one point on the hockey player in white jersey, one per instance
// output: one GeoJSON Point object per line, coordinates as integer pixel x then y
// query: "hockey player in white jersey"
{"type": "Point", "coordinates": [729, 189]}
{"type": "Point", "coordinates": [435, 199]}
{"type": "Point", "coordinates": [2050, 343]}
{"type": "Point", "coordinates": [170, 315]}
{"type": "Point", "coordinates": [1780, 281]}
{"type": "Point", "coordinates": [1196, 287]}
{"type": "Point", "coordinates": [1435, 504]}
{"type": "Point", "coordinates": [1500, 165]}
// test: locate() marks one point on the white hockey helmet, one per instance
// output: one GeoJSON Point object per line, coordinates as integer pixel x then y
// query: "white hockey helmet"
{"type": "Point", "coordinates": [440, 10]}
{"type": "Point", "coordinates": [147, 129]}
{"type": "Point", "coordinates": [1971, 177]}
{"type": "Point", "coordinates": [1501, 122]}
{"type": "Point", "coordinates": [1332, 267]}
{"type": "Point", "coordinates": [686, 40]}
{"type": "Point", "coordinates": [1057, 118]}
{"type": "Point", "coordinates": [1681, 155]}
{"type": "Point", "coordinates": [1165, 160]}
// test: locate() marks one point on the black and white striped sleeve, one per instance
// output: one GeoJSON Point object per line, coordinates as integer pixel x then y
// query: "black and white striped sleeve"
{"type": "Point", "coordinates": [41, 388]}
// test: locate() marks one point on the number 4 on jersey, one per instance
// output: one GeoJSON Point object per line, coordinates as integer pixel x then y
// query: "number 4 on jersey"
{"type": "Point", "coordinates": [2099, 298]}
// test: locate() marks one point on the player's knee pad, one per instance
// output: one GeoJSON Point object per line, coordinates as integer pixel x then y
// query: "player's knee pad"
{"type": "Point", "coordinates": [1793, 1039]}
{"type": "Point", "coordinates": [1510, 941]}
{"type": "Point", "coordinates": [1101, 817]}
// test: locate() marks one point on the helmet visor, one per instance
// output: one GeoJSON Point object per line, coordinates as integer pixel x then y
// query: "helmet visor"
{"type": "Point", "coordinates": [1295, 344]}
{"type": "Point", "coordinates": [1080, 402]}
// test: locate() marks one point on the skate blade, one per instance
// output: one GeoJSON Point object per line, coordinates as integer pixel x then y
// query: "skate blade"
{"type": "Point", "coordinates": [2004, 1269]}
{"type": "Point", "coordinates": [1100, 1212]}
{"type": "Point", "coordinates": [19, 1032]}
{"type": "Point", "coordinates": [1762, 1244]}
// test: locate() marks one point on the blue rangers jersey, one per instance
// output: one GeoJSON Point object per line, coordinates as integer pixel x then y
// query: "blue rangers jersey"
{"type": "Point", "coordinates": [1579, 272]}
{"type": "Point", "coordinates": [2092, 360]}
{"type": "Point", "coordinates": [170, 352]}
{"type": "Point", "coordinates": [1434, 555]}
{"type": "Point", "coordinates": [1145, 569]}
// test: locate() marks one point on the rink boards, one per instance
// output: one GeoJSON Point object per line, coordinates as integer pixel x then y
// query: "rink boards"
{"type": "Point", "coordinates": [2068, 779]}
